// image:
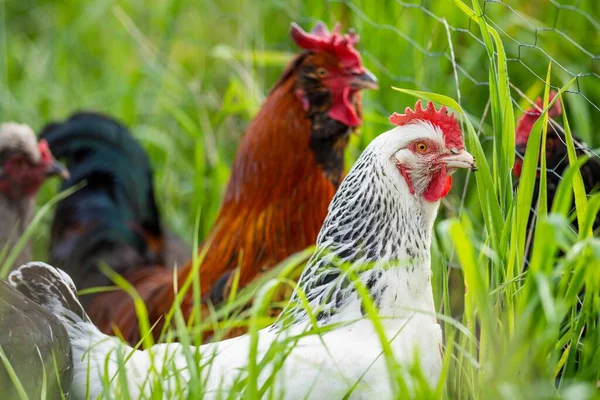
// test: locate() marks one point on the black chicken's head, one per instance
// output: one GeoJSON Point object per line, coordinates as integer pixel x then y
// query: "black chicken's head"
{"type": "Point", "coordinates": [330, 74]}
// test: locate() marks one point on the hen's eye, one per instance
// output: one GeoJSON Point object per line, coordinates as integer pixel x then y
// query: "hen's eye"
{"type": "Point", "coordinates": [422, 147]}
{"type": "Point", "coordinates": [321, 72]}
{"type": "Point", "coordinates": [18, 163]}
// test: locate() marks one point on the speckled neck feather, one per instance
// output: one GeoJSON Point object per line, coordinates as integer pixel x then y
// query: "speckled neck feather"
{"type": "Point", "coordinates": [380, 231]}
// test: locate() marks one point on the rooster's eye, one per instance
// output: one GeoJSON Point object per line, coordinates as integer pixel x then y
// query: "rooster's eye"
{"type": "Point", "coordinates": [321, 72]}
{"type": "Point", "coordinates": [422, 147]}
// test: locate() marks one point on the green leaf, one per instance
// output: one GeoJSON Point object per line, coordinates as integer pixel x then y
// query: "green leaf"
{"type": "Point", "coordinates": [438, 98]}
{"type": "Point", "coordinates": [8, 263]}
{"type": "Point", "coordinates": [593, 207]}
{"type": "Point", "coordinates": [581, 203]}
{"type": "Point", "coordinates": [564, 192]}
{"type": "Point", "coordinates": [13, 375]}
{"type": "Point", "coordinates": [477, 287]}
{"type": "Point", "coordinates": [528, 176]}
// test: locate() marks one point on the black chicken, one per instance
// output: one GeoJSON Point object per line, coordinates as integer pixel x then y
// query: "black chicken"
{"type": "Point", "coordinates": [114, 217]}
{"type": "Point", "coordinates": [556, 153]}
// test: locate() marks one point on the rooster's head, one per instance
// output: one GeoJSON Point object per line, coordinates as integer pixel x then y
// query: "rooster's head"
{"type": "Point", "coordinates": [331, 74]}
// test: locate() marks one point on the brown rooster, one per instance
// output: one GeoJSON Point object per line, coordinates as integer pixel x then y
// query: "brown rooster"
{"type": "Point", "coordinates": [288, 166]}
{"type": "Point", "coordinates": [24, 166]}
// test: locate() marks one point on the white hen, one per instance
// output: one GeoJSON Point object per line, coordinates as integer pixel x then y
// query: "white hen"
{"type": "Point", "coordinates": [378, 229]}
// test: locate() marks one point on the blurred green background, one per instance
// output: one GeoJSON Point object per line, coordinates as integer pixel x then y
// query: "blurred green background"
{"type": "Point", "coordinates": [187, 76]}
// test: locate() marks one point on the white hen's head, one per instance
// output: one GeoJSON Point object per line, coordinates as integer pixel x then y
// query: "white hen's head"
{"type": "Point", "coordinates": [24, 163]}
{"type": "Point", "coordinates": [425, 149]}
{"type": "Point", "coordinates": [396, 185]}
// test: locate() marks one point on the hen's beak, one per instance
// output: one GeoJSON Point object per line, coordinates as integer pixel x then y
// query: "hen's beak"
{"type": "Point", "coordinates": [366, 80]}
{"type": "Point", "coordinates": [460, 159]}
{"type": "Point", "coordinates": [56, 168]}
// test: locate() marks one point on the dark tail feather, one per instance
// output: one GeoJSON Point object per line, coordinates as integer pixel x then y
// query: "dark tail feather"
{"type": "Point", "coordinates": [53, 290]}
{"type": "Point", "coordinates": [114, 217]}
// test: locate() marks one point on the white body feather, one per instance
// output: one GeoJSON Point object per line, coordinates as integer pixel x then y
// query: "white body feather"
{"type": "Point", "coordinates": [318, 367]}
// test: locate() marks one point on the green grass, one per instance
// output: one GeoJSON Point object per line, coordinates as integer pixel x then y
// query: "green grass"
{"type": "Point", "coordinates": [188, 76]}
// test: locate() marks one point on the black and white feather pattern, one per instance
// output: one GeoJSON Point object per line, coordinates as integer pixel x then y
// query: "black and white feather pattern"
{"type": "Point", "coordinates": [366, 225]}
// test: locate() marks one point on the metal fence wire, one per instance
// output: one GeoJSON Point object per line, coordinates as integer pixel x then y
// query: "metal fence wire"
{"type": "Point", "coordinates": [433, 46]}
{"type": "Point", "coordinates": [566, 34]}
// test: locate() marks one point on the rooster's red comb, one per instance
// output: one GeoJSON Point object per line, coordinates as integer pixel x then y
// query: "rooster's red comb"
{"type": "Point", "coordinates": [446, 122]}
{"type": "Point", "coordinates": [320, 39]}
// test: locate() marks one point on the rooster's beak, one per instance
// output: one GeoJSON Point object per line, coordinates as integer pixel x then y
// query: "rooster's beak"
{"type": "Point", "coordinates": [460, 159]}
{"type": "Point", "coordinates": [366, 80]}
{"type": "Point", "coordinates": [56, 168]}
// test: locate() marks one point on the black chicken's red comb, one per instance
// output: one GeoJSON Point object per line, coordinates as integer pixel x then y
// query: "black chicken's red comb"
{"type": "Point", "coordinates": [554, 112]}
{"type": "Point", "coordinates": [527, 120]}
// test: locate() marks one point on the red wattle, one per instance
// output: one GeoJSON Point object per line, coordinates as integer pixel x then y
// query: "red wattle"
{"type": "Point", "coordinates": [439, 186]}
{"type": "Point", "coordinates": [447, 187]}
{"type": "Point", "coordinates": [342, 110]}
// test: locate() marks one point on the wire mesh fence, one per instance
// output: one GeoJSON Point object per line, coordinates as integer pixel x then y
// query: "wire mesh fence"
{"type": "Point", "coordinates": [434, 46]}
{"type": "Point", "coordinates": [163, 59]}
{"type": "Point", "coordinates": [534, 34]}
{"type": "Point", "coordinates": [531, 41]}
{"type": "Point", "coordinates": [445, 53]}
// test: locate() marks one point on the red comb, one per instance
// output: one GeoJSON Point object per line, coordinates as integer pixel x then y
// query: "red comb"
{"type": "Point", "coordinates": [320, 39]}
{"type": "Point", "coordinates": [446, 122]}
{"type": "Point", "coordinates": [554, 112]}
{"type": "Point", "coordinates": [44, 150]}
{"type": "Point", "coordinates": [531, 116]}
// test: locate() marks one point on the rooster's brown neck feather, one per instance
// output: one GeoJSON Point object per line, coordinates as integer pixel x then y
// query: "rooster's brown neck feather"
{"type": "Point", "coordinates": [277, 199]}
{"type": "Point", "coordinates": [288, 166]}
